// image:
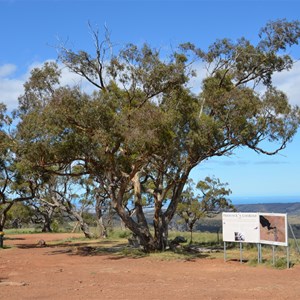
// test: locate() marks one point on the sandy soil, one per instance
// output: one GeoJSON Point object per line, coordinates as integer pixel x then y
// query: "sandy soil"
{"type": "Point", "coordinates": [58, 272]}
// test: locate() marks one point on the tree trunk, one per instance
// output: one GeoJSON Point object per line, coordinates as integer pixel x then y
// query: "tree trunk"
{"type": "Point", "coordinates": [83, 226]}
{"type": "Point", "coordinates": [191, 227]}
{"type": "Point", "coordinates": [160, 227]}
{"type": "Point", "coordinates": [70, 209]}
{"type": "Point", "coordinates": [141, 231]}
{"type": "Point", "coordinates": [86, 230]}
{"type": "Point", "coordinates": [161, 219]}
{"type": "Point", "coordinates": [47, 219]}
{"type": "Point", "coordinates": [99, 217]}
{"type": "Point", "coordinates": [102, 228]}
{"type": "Point", "coordinates": [3, 215]}
{"type": "Point", "coordinates": [46, 226]}
{"type": "Point", "coordinates": [75, 227]}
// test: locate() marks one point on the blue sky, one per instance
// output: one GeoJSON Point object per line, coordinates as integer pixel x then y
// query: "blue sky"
{"type": "Point", "coordinates": [30, 30]}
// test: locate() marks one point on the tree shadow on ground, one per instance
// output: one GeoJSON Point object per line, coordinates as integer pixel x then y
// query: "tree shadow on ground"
{"type": "Point", "coordinates": [85, 250]}
{"type": "Point", "coordinates": [119, 251]}
{"type": "Point", "coordinates": [112, 249]}
{"type": "Point", "coordinates": [3, 278]}
{"type": "Point", "coordinates": [66, 243]}
{"type": "Point", "coordinates": [237, 260]}
{"type": "Point", "coordinates": [27, 246]}
{"type": "Point", "coordinates": [60, 243]}
{"type": "Point", "coordinates": [13, 239]}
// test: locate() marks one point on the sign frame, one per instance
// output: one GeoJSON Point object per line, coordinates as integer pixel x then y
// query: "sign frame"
{"type": "Point", "coordinates": [259, 228]}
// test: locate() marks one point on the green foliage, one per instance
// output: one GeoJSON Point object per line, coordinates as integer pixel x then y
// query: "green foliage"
{"type": "Point", "coordinates": [89, 218]}
{"type": "Point", "coordinates": [214, 196]}
{"type": "Point", "coordinates": [211, 201]}
{"type": "Point", "coordinates": [20, 214]}
{"type": "Point", "coordinates": [280, 34]}
{"type": "Point", "coordinates": [55, 226]}
{"type": "Point", "coordinates": [124, 234]}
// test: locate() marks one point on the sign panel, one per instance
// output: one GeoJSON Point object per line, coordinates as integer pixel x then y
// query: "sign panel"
{"type": "Point", "coordinates": [264, 228]}
{"type": "Point", "coordinates": [240, 227]}
{"type": "Point", "coordinates": [273, 229]}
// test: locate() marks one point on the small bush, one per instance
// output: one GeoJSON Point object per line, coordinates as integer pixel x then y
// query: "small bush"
{"type": "Point", "coordinates": [252, 262]}
{"type": "Point", "coordinates": [119, 233]}
{"type": "Point", "coordinates": [124, 234]}
{"type": "Point", "coordinates": [281, 263]}
{"type": "Point", "coordinates": [55, 226]}
{"type": "Point", "coordinates": [134, 253]}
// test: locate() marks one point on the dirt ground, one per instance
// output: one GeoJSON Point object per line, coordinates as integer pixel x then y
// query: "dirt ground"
{"type": "Point", "coordinates": [58, 272]}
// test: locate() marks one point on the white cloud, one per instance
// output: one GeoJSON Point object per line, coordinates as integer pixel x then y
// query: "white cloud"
{"type": "Point", "coordinates": [286, 81]}
{"type": "Point", "coordinates": [289, 82]}
{"type": "Point", "coordinates": [196, 82]}
{"type": "Point", "coordinates": [7, 70]}
{"type": "Point", "coordinates": [12, 87]}
{"type": "Point", "coordinates": [72, 79]}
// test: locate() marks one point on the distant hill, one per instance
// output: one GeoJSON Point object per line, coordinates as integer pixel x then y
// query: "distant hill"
{"type": "Point", "coordinates": [292, 209]}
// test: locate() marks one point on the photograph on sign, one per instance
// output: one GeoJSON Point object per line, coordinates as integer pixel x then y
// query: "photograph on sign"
{"type": "Point", "coordinates": [273, 229]}
{"type": "Point", "coordinates": [240, 227]}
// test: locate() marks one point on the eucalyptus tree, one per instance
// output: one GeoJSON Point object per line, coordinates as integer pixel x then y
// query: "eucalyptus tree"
{"type": "Point", "coordinates": [43, 213]}
{"type": "Point", "coordinates": [66, 195]}
{"type": "Point", "coordinates": [143, 130]}
{"type": "Point", "coordinates": [208, 199]}
{"type": "Point", "coordinates": [16, 182]}
{"type": "Point", "coordinates": [19, 215]}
